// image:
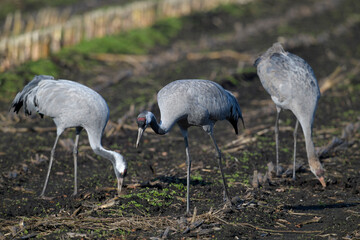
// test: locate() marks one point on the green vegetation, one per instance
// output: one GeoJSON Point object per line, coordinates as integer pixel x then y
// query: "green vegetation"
{"type": "Point", "coordinates": [351, 114]}
{"type": "Point", "coordinates": [246, 70]}
{"type": "Point", "coordinates": [148, 197]}
{"type": "Point", "coordinates": [264, 141]}
{"type": "Point", "coordinates": [178, 186]}
{"type": "Point", "coordinates": [233, 179]}
{"type": "Point", "coordinates": [12, 81]}
{"type": "Point", "coordinates": [196, 177]}
{"type": "Point", "coordinates": [138, 41]}
{"type": "Point", "coordinates": [247, 156]}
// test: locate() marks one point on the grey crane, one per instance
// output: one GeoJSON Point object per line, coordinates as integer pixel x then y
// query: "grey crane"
{"type": "Point", "coordinates": [70, 104]}
{"type": "Point", "coordinates": [189, 103]}
{"type": "Point", "coordinates": [292, 85]}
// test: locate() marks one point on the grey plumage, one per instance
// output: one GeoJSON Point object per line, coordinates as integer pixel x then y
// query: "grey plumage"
{"type": "Point", "coordinates": [292, 85]}
{"type": "Point", "coordinates": [70, 104]}
{"type": "Point", "coordinates": [21, 98]}
{"type": "Point", "coordinates": [192, 103]}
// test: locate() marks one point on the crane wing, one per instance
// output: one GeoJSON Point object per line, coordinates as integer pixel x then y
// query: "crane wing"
{"type": "Point", "coordinates": [284, 75]}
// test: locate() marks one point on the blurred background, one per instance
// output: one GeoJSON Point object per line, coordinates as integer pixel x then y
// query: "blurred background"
{"type": "Point", "coordinates": [127, 50]}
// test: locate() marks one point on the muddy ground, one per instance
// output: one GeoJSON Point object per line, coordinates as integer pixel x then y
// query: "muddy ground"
{"type": "Point", "coordinates": [218, 46]}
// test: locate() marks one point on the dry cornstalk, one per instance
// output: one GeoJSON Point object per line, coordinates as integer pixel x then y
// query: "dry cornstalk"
{"type": "Point", "coordinates": [301, 214]}
{"type": "Point", "coordinates": [127, 58]}
{"type": "Point", "coordinates": [274, 230]}
{"type": "Point", "coordinates": [315, 219]}
{"type": "Point", "coordinates": [241, 145]}
{"type": "Point", "coordinates": [221, 54]}
{"type": "Point", "coordinates": [242, 140]}
{"type": "Point", "coordinates": [338, 76]}
{"type": "Point", "coordinates": [331, 80]}
{"type": "Point", "coordinates": [50, 224]}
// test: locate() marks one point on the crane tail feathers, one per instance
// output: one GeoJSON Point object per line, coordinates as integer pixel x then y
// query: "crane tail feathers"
{"type": "Point", "coordinates": [242, 120]}
{"type": "Point", "coordinates": [234, 123]}
{"type": "Point", "coordinates": [17, 103]}
{"type": "Point", "coordinates": [236, 130]}
{"type": "Point", "coordinates": [235, 112]}
{"type": "Point", "coordinates": [21, 99]}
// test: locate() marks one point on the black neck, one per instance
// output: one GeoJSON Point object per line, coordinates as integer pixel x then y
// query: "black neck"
{"type": "Point", "coordinates": [156, 127]}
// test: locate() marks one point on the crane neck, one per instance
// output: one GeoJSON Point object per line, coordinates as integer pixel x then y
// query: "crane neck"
{"type": "Point", "coordinates": [315, 165]}
{"type": "Point", "coordinates": [158, 128]}
{"type": "Point", "coordinates": [104, 153]}
{"type": "Point", "coordinates": [310, 148]}
{"type": "Point", "coordinates": [115, 158]}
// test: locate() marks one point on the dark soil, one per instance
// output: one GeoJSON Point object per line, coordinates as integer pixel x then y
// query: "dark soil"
{"type": "Point", "coordinates": [153, 201]}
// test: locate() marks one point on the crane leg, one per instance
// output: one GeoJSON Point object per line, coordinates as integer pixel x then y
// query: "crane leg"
{"type": "Point", "coordinates": [75, 154]}
{"type": "Point", "coordinates": [295, 135]}
{"type": "Point", "coordinates": [50, 163]}
{"type": "Point", "coordinates": [226, 194]}
{"type": "Point", "coordinates": [188, 162]}
{"type": "Point", "coordinates": [278, 110]}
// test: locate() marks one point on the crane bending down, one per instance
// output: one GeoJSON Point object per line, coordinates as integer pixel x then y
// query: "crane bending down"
{"type": "Point", "coordinates": [70, 104]}
{"type": "Point", "coordinates": [292, 85]}
{"type": "Point", "coordinates": [192, 103]}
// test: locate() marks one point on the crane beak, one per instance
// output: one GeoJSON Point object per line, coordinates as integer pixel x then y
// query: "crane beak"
{"type": "Point", "coordinates": [140, 133]}
{"type": "Point", "coordinates": [120, 183]}
{"type": "Point", "coordinates": [322, 181]}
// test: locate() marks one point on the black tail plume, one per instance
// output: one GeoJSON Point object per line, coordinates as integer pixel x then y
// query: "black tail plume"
{"type": "Point", "coordinates": [21, 97]}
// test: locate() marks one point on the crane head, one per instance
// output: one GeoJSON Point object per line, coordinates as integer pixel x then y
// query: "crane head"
{"type": "Point", "coordinates": [120, 167]}
{"type": "Point", "coordinates": [317, 169]}
{"type": "Point", "coordinates": [142, 125]}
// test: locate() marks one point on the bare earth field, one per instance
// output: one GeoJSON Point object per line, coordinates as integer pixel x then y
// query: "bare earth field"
{"type": "Point", "coordinates": [221, 46]}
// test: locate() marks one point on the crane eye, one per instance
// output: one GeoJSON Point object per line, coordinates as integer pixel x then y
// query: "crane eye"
{"type": "Point", "coordinates": [141, 121]}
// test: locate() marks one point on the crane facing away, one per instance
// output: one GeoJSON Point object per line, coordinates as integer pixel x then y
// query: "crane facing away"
{"type": "Point", "coordinates": [192, 103]}
{"type": "Point", "coordinates": [70, 104]}
{"type": "Point", "coordinates": [292, 85]}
